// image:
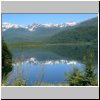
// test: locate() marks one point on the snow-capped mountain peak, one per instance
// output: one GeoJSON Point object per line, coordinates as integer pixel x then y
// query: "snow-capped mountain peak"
{"type": "Point", "coordinates": [33, 26]}
{"type": "Point", "coordinates": [51, 25]}
{"type": "Point", "coordinates": [9, 25]}
{"type": "Point", "coordinates": [6, 26]}
{"type": "Point", "coordinates": [71, 23]}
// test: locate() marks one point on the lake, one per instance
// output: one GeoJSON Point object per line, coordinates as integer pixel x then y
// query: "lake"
{"type": "Point", "coordinates": [48, 64]}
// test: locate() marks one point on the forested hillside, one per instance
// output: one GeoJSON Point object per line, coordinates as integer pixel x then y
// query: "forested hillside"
{"type": "Point", "coordinates": [79, 34]}
{"type": "Point", "coordinates": [6, 59]}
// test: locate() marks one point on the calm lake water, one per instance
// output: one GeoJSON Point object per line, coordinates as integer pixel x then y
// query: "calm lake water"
{"type": "Point", "coordinates": [47, 64]}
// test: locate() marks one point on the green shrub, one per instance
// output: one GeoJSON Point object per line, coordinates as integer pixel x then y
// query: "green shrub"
{"type": "Point", "coordinates": [6, 59]}
{"type": "Point", "coordinates": [86, 78]}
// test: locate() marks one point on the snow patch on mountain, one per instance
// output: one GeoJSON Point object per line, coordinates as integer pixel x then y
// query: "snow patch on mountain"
{"type": "Point", "coordinates": [34, 26]}
{"type": "Point", "coordinates": [6, 26]}
{"type": "Point", "coordinates": [71, 23]}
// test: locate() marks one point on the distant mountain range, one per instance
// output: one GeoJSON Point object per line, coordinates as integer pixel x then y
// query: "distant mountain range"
{"type": "Point", "coordinates": [31, 33]}
{"type": "Point", "coordinates": [33, 27]}
{"type": "Point", "coordinates": [40, 32]}
{"type": "Point", "coordinates": [86, 31]}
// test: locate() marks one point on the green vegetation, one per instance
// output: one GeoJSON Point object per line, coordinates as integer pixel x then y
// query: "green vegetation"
{"type": "Point", "coordinates": [73, 51]}
{"type": "Point", "coordinates": [90, 70]}
{"type": "Point", "coordinates": [26, 44]}
{"type": "Point", "coordinates": [89, 22]}
{"type": "Point", "coordinates": [21, 82]}
{"type": "Point", "coordinates": [86, 34]}
{"type": "Point", "coordinates": [18, 82]}
{"type": "Point", "coordinates": [85, 30]}
{"type": "Point", "coordinates": [21, 35]}
{"type": "Point", "coordinates": [75, 78]}
{"type": "Point", "coordinates": [83, 33]}
{"type": "Point", "coordinates": [6, 59]}
{"type": "Point", "coordinates": [87, 77]}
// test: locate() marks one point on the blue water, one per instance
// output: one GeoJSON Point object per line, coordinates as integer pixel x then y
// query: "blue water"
{"type": "Point", "coordinates": [47, 64]}
{"type": "Point", "coordinates": [43, 72]}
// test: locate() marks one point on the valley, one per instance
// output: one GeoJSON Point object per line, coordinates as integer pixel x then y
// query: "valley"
{"type": "Point", "coordinates": [64, 54]}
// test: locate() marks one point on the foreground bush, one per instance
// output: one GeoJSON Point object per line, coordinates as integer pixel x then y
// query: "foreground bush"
{"type": "Point", "coordinates": [6, 59]}
{"type": "Point", "coordinates": [87, 77]}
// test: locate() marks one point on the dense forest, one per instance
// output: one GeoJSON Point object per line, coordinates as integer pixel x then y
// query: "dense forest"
{"type": "Point", "coordinates": [80, 34]}
{"type": "Point", "coordinates": [6, 59]}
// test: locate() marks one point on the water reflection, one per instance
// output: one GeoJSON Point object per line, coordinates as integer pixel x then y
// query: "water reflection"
{"type": "Point", "coordinates": [49, 71]}
{"type": "Point", "coordinates": [47, 64]}
{"type": "Point", "coordinates": [35, 61]}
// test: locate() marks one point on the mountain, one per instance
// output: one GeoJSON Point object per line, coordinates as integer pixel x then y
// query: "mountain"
{"type": "Point", "coordinates": [80, 34]}
{"type": "Point", "coordinates": [89, 22]}
{"type": "Point", "coordinates": [30, 33]}
{"type": "Point", "coordinates": [86, 31]}
{"type": "Point", "coordinates": [33, 27]}
{"type": "Point", "coordinates": [6, 26]}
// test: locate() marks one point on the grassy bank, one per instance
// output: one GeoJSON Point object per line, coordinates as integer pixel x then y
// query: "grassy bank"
{"type": "Point", "coordinates": [38, 44]}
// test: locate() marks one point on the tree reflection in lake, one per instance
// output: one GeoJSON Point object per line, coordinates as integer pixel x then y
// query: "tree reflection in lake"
{"type": "Point", "coordinates": [49, 63]}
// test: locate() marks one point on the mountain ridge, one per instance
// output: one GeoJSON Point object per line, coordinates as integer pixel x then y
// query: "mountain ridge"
{"type": "Point", "coordinates": [19, 34]}
{"type": "Point", "coordinates": [86, 31]}
{"type": "Point", "coordinates": [33, 26]}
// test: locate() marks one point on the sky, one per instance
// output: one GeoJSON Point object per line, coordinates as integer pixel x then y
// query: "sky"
{"type": "Point", "coordinates": [28, 19]}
